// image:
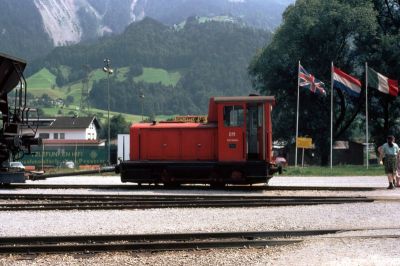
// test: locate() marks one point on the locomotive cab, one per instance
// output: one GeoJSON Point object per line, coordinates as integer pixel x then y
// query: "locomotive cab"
{"type": "Point", "coordinates": [245, 137]}
{"type": "Point", "coordinates": [244, 128]}
{"type": "Point", "coordinates": [234, 146]}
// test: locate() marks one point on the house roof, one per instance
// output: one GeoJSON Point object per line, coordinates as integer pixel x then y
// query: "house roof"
{"type": "Point", "coordinates": [68, 122]}
{"type": "Point", "coordinates": [71, 141]}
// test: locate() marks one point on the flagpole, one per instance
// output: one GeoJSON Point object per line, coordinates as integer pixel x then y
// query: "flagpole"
{"type": "Point", "coordinates": [297, 113]}
{"type": "Point", "coordinates": [366, 113]}
{"type": "Point", "coordinates": [331, 148]}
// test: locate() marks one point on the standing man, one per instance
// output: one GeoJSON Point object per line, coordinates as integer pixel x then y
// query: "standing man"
{"type": "Point", "coordinates": [389, 152]}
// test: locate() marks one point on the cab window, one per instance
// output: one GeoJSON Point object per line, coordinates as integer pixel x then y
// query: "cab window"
{"type": "Point", "coordinates": [260, 115]}
{"type": "Point", "coordinates": [233, 116]}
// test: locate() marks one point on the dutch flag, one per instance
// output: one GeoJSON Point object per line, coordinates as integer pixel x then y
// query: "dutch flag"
{"type": "Point", "coordinates": [346, 82]}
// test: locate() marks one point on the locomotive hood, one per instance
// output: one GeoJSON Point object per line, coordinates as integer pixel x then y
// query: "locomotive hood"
{"type": "Point", "coordinates": [11, 70]}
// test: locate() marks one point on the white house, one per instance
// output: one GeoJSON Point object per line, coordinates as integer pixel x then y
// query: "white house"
{"type": "Point", "coordinates": [66, 128]}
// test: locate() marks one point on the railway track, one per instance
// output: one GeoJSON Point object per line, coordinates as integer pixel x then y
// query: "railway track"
{"type": "Point", "coordinates": [186, 187]}
{"type": "Point", "coordinates": [22, 202]}
{"type": "Point", "coordinates": [161, 242]}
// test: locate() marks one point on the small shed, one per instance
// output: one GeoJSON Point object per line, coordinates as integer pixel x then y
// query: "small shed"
{"type": "Point", "coordinates": [344, 152]}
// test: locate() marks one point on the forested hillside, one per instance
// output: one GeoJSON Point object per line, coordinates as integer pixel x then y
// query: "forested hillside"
{"type": "Point", "coordinates": [21, 31]}
{"type": "Point", "coordinates": [176, 68]}
{"type": "Point", "coordinates": [32, 28]}
{"type": "Point", "coordinates": [264, 14]}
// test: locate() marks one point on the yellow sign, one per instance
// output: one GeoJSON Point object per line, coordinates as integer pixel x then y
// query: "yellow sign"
{"type": "Point", "coordinates": [304, 143]}
{"type": "Point", "coordinates": [191, 118]}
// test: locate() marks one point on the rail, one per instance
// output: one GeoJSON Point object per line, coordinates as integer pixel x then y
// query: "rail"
{"type": "Point", "coordinates": [102, 202]}
{"type": "Point", "coordinates": [186, 187]}
{"type": "Point", "coordinates": [108, 169]}
{"type": "Point", "coordinates": [162, 242]}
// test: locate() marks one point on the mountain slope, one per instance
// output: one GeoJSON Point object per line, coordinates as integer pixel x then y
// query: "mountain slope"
{"type": "Point", "coordinates": [177, 69]}
{"type": "Point", "coordinates": [32, 28]}
{"type": "Point", "coordinates": [264, 14]}
{"type": "Point", "coordinates": [21, 30]}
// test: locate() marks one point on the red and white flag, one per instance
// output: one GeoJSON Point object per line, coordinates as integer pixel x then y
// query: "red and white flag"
{"type": "Point", "coordinates": [382, 83]}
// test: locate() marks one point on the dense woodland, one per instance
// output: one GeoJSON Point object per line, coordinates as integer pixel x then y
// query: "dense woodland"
{"type": "Point", "coordinates": [212, 58]}
{"type": "Point", "coordinates": [23, 31]}
{"type": "Point", "coordinates": [19, 33]}
{"type": "Point", "coordinates": [256, 13]}
{"type": "Point", "coordinates": [348, 33]}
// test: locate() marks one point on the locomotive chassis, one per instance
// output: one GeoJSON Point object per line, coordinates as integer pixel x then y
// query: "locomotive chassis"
{"type": "Point", "coordinates": [191, 172]}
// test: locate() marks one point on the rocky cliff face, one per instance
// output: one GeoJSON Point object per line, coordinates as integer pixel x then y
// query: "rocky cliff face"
{"type": "Point", "coordinates": [60, 20]}
{"type": "Point", "coordinates": [70, 21]}
{"type": "Point", "coordinates": [44, 24]}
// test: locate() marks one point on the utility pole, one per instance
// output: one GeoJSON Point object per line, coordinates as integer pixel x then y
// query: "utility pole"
{"type": "Point", "coordinates": [107, 69]}
{"type": "Point", "coordinates": [85, 90]}
{"type": "Point", "coordinates": [142, 100]}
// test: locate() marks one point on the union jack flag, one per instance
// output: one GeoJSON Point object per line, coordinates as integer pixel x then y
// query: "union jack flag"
{"type": "Point", "coordinates": [308, 81]}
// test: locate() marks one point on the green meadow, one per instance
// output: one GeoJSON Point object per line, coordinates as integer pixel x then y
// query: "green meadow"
{"type": "Point", "coordinates": [101, 114]}
{"type": "Point", "coordinates": [44, 82]}
{"type": "Point", "coordinates": [158, 75]}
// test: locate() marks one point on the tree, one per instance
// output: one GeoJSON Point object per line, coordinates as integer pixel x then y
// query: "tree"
{"type": "Point", "coordinates": [46, 100]}
{"type": "Point", "coordinates": [382, 52]}
{"type": "Point", "coordinates": [69, 100]}
{"type": "Point", "coordinates": [40, 112]}
{"type": "Point", "coordinates": [317, 32]}
{"type": "Point", "coordinates": [118, 125]}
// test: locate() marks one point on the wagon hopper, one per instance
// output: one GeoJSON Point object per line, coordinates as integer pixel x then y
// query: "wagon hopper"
{"type": "Point", "coordinates": [14, 117]}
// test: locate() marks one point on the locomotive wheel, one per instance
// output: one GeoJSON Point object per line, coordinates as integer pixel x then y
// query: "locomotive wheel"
{"type": "Point", "coordinates": [171, 185]}
{"type": "Point", "coordinates": [218, 182]}
{"type": "Point", "coordinates": [237, 175]}
{"type": "Point", "coordinates": [218, 185]}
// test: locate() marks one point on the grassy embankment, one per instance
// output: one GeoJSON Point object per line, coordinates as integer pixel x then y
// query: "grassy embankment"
{"type": "Point", "coordinates": [340, 170]}
{"type": "Point", "coordinates": [43, 82]}
{"type": "Point", "coordinates": [158, 75]}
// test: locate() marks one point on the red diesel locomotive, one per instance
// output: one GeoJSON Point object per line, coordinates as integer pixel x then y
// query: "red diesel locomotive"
{"type": "Point", "coordinates": [233, 147]}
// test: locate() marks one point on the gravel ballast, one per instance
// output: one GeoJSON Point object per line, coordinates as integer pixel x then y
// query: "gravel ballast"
{"type": "Point", "coordinates": [379, 214]}
{"type": "Point", "coordinates": [315, 252]}
{"type": "Point", "coordinates": [338, 251]}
